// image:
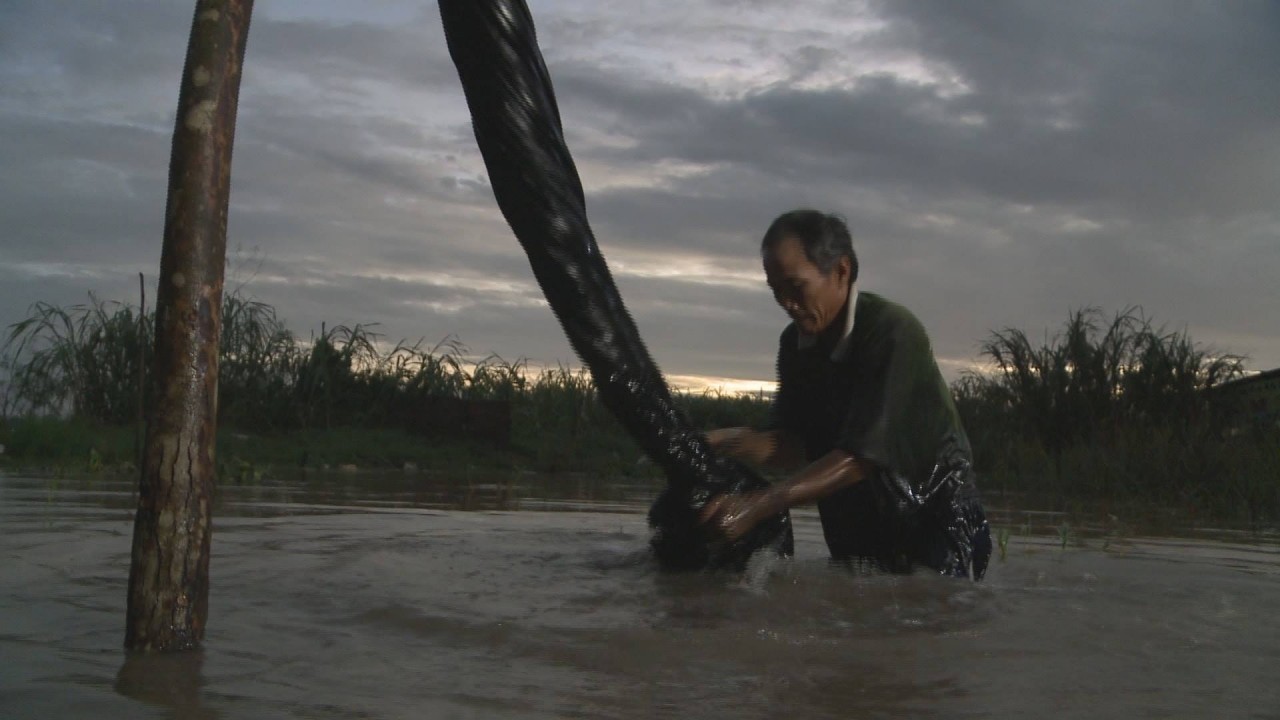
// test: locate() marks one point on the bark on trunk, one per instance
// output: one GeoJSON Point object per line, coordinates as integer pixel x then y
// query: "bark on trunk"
{"type": "Point", "coordinates": [169, 576]}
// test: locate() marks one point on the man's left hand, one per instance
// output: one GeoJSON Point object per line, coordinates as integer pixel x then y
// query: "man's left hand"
{"type": "Point", "coordinates": [734, 515]}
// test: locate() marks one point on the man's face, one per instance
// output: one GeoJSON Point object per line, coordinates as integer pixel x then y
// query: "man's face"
{"type": "Point", "coordinates": [812, 299]}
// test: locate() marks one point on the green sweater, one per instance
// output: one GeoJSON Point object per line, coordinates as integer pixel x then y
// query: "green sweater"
{"type": "Point", "coordinates": [882, 399]}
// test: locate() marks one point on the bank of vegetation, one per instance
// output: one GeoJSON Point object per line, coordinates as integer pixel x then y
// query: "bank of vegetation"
{"type": "Point", "coordinates": [1117, 413]}
{"type": "Point", "coordinates": [342, 397]}
{"type": "Point", "coordinates": [1106, 413]}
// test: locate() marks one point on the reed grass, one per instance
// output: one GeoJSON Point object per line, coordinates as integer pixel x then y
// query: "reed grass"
{"type": "Point", "coordinates": [1113, 411]}
{"type": "Point", "coordinates": [1118, 410]}
{"type": "Point", "coordinates": [80, 362]}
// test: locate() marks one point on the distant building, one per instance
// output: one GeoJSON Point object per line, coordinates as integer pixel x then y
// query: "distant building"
{"type": "Point", "coordinates": [1254, 397]}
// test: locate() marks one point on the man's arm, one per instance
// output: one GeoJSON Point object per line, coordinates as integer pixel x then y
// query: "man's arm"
{"type": "Point", "coordinates": [735, 515]}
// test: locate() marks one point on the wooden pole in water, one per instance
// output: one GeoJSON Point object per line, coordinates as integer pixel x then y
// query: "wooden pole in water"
{"type": "Point", "coordinates": [140, 422]}
{"type": "Point", "coordinates": [169, 576]}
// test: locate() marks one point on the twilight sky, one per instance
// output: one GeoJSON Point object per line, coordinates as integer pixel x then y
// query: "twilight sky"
{"type": "Point", "coordinates": [1000, 163]}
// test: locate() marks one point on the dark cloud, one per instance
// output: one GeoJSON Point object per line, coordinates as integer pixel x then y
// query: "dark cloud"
{"type": "Point", "coordinates": [1095, 157]}
{"type": "Point", "coordinates": [1000, 164]}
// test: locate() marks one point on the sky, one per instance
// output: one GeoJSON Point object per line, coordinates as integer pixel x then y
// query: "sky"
{"type": "Point", "coordinates": [1000, 164]}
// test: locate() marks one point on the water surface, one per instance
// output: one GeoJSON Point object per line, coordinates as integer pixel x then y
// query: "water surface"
{"type": "Point", "coordinates": [406, 596]}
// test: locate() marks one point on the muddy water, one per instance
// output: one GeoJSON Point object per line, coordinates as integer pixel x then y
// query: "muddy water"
{"type": "Point", "coordinates": [349, 596]}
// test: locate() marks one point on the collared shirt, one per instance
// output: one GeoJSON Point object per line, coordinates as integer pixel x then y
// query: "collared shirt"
{"type": "Point", "coordinates": [880, 398]}
{"type": "Point", "coordinates": [804, 342]}
{"type": "Point", "coordinates": [878, 395]}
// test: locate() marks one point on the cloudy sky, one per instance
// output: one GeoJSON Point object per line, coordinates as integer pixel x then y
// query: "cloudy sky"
{"type": "Point", "coordinates": [1000, 163]}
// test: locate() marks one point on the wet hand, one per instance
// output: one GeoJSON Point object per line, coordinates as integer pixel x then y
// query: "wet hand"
{"type": "Point", "coordinates": [734, 515]}
{"type": "Point", "coordinates": [724, 440]}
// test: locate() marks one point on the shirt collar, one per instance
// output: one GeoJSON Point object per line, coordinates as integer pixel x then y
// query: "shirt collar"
{"type": "Point", "coordinates": [804, 342]}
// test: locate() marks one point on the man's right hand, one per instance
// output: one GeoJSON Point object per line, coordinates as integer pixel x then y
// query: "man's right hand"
{"type": "Point", "coordinates": [726, 440]}
{"type": "Point", "coordinates": [762, 448]}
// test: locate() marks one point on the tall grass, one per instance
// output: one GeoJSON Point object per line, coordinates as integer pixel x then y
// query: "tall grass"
{"type": "Point", "coordinates": [1109, 409]}
{"type": "Point", "coordinates": [257, 364]}
{"type": "Point", "coordinates": [1117, 409]}
{"type": "Point", "coordinates": [1094, 374]}
{"type": "Point", "coordinates": [81, 361]}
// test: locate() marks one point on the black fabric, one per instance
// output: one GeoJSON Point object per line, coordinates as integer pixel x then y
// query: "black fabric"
{"type": "Point", "coordinates": [517, 126]}
{"type": "Point", "coordinates": [885, 401]}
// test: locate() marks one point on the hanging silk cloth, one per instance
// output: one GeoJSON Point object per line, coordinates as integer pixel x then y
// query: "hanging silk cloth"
{"type": "Point", "coordinates": [517, 126]}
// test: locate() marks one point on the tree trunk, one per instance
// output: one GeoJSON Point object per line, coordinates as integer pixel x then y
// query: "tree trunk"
{"type": "Point", "coordinates": [169, 577]}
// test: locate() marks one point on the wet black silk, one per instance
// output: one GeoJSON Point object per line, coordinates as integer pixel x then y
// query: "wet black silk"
{"type": "Point", "coordinates": [517, 126]}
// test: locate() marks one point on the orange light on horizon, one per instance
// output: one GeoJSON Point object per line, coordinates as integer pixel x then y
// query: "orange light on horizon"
{"type": "Point", "coordinates": [726, 385]}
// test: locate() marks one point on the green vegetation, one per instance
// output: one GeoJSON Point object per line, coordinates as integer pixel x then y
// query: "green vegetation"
{"type": "Point", "coordinates": [340, 398]}
{"type": "Point", "coordinates": [1115, 414]}
{"type": "Point", "coordinates": [1107, 417]}
{"type": "Point", "coordinates": [81, 360]}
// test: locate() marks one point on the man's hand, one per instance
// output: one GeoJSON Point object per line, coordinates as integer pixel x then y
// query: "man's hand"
{"type": "Point", "coordinates": [764, 448]}
{"type": "Point", "coordinates": [734, 515]}
{"type": "Point", "coordinates": [723, 440]}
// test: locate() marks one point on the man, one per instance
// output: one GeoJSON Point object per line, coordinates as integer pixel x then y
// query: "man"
{"type": "Point", "coordinates": [861, 400]}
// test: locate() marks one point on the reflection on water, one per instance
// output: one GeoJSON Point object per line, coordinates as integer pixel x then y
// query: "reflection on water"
{"type": "Point", "coordinates": [171, 682]}
{"type": "Point", "coordinates": [351, 596]}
